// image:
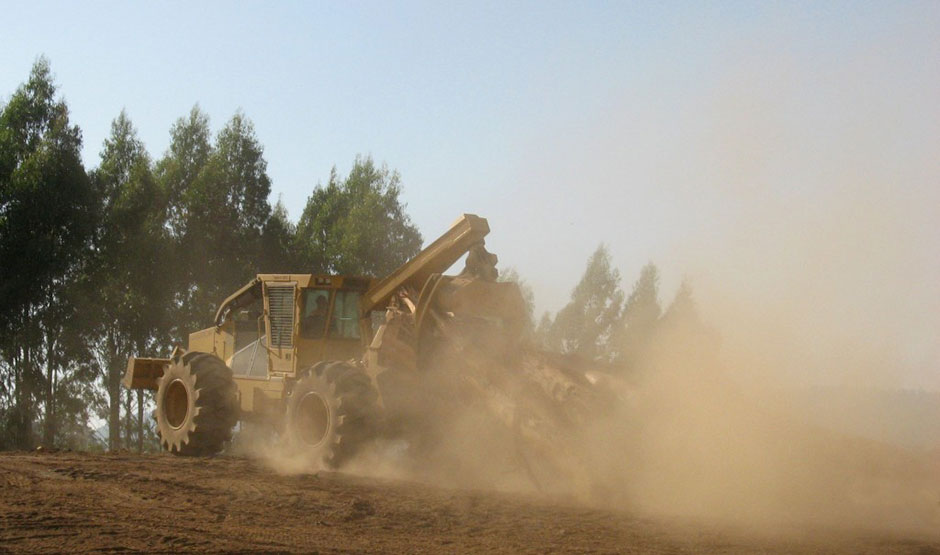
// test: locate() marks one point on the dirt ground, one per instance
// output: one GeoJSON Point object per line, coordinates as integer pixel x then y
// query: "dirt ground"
{"type": "Point", "coordinates": [58, 502]}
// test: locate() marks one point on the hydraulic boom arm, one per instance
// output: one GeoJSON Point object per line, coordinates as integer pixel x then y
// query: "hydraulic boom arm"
{"type": "Point", "coordinates": [468, 231]}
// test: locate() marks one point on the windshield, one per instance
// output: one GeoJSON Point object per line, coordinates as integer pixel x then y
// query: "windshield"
{"type": "Point", "coordinates": [316, 306]}
{"type": "Point", "coordinates": [346, 315]}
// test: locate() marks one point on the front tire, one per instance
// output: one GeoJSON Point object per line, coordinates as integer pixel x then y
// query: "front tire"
{"type": "Point", "coordinates": [197, 405]}
{"type": "Point", "coordinates": [331, 412]}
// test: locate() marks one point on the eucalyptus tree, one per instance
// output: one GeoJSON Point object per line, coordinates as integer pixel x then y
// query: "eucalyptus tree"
{"type": "Point", "coordinates": [127, 282]}
{"type": "Point", "coordinates": [218, 206]}
{"type": "Point", "coordinates": [586, 325]}
{"type": "Point", "coordinates": [46, 222]}
{"type": "Point", "coordinates": [641, 315]}
{"type": "Point", "coordinates": [357, 224]}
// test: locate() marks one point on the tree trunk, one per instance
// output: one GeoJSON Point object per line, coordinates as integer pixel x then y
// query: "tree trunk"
{"type": "Point", "coordinates": [114, 395]}
{"type": "Point", "coordinates": [24, 392]}
{"type": "Point", "coordinates": [128, 419]}
{"type": "Point", "coordinates": [140, 421]}
{"type": "Point", "coordinates": [49, 423]}
{"type": "Point", "coordinates": [14, 359]}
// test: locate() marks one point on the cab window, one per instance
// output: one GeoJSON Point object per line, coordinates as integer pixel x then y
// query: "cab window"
{"type": "Point", "coordinates": [248, 323]}
{"type": "Point", "coordinates": [346, 315]}
{"type": "Point", "coordinates": [316, 307]}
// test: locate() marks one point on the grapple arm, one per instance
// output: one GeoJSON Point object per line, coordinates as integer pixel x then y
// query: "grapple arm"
{"type": "Point", "coordinates": [467, 232]}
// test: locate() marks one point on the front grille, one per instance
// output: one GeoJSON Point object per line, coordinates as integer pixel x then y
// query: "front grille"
{"type": "Point", "coordinates": [281, 302]}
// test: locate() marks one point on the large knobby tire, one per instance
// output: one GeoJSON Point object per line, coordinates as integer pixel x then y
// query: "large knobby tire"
{"type": "Point", "coordinates": [197, 405]}
{"type": "Point", "coordinates": [332, 410]}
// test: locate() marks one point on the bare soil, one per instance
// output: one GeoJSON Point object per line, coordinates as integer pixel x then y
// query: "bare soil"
{"type": "Point", "coordinates": [74, 502]}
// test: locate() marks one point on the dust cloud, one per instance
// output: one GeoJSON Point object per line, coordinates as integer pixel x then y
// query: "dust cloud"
{"type": "Point", "coordinates": [695, 441]}
{"type": "Point", "coordinates": [800, 199]}
{"type": "Point", "coordinates": [796, 303]}
{"type": "Point", "coordinates": [262, 442]}
{"type": "Point", "coordinates": [797, 191]}
{"type": "Point", "coordinates": [814, 258]}
{"type": "Point", "coordinates": [807, 211]}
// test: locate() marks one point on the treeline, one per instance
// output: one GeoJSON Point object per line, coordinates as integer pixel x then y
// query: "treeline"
{"type": "Point", "coordinates": [128, 257]}
{"type": "Point", "coordinates": [633, 333]}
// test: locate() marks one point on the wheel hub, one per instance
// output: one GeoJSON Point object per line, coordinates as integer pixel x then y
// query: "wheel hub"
{"type": "Point", "coordinates": [313, 420]}
{"type": "Point", "coordinates": [177, 404]}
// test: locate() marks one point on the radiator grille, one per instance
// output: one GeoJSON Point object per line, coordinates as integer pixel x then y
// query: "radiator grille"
{"type": "Point", "coordinates": [281, 302]}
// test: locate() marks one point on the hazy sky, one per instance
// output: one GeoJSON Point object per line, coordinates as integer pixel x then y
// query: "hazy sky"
{"type": "Point", "coordinates": [783, 150]}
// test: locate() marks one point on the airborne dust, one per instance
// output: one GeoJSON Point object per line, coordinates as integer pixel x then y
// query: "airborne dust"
{"type": "Point", "coordinates": [814, 260]}
{"type": "Point", "coordinates": [726, 437]}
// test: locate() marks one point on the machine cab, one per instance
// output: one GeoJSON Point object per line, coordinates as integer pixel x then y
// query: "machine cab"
{"type": "Point", "coordinates": [279, 324]}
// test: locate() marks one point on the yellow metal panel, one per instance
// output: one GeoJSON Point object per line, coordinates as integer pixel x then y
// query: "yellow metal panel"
{"type": "Point", "coordinates": [144, 373]}
{"type": "Point", "coordinates": [260, 396]}
{"type": "Point", "coordinates": [202, 341]}
{"type": "Point", "coordinates": [225, 341]}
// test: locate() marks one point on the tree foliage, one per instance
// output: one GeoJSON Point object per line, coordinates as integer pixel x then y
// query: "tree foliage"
{"type": "Point", "coordinates": [682, 331]}
{"type": "Point", "coordinates": [134, 255]}
{"type": "Point", "coordinates": [279, 249]}
{"type": "Point", "coordinates": [46, 217]}
{"type": "Point", "coordinates": [635, 334]}
{"type": "Point", "coordinates": [126, 288]}
{"type": "Point", "coordinates": [585, 325]}
{"type": "Point", "coordinates": [357, 225]}
{"type": "Point", "coordinates": [217, 198]}
{"type": "Point", "coordinates": [682, 311]}
{"type": "Point", "coordinates": [640, 317]}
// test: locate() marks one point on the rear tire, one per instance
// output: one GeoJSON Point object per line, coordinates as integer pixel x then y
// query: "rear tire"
{"type": "Point", "coordinates": [197, 405]}
{"type": "Point", "coordinates": [331, 412]}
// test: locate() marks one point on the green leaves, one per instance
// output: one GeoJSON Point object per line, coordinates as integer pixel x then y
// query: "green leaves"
{"type": "Point", "coordinates": [45, 198]}
{"type": "Point", "coordinates": [586, 324]}
{"type": "Point", "coordinates": [634, 334]}
{"type": "Point", "coordinates": [357, 225]}
{"type": "Point", "coordinates": [126, 293]}
{"type": "Point", "coordinates": [47, 215]}
{"type": "Point", "coordinates": [98, 266]}
{"type": "Point", "coordinates": [641, 316]}
{"type": "Point", "coordinates": [218, 210]}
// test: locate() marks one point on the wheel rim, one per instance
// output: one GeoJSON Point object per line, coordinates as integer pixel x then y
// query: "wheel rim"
{"type": "Point", "coordinates": [313, 419]}
{"type": "Point", "coordinates": [177, 404]}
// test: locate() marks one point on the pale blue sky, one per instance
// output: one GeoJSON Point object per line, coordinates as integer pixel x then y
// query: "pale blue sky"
{"type": "Point", "coordinates": [752, 146]}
